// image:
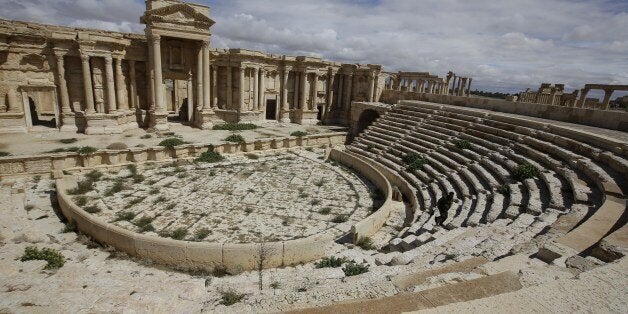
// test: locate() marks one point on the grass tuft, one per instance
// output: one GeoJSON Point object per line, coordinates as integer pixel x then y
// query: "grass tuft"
{"type": "Point", "coordinates": [53, 257]}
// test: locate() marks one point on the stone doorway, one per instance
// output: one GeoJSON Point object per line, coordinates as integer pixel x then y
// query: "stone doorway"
{"type": "Point", "coordinates": [40, 107]}
{"type": "Point", "coordinates": [271, 109]}
{"type": "Point", "coordinates": [319, 115]}
{"type": "Point", "coordinates": [177, 101]}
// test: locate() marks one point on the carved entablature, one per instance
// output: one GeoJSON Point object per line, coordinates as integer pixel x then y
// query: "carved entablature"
{"type": "Point", "coordinates": [176, 16]}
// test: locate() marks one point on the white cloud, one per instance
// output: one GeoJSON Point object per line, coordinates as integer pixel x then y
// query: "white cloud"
{"type": "Point", "coordinates": [505, 45]}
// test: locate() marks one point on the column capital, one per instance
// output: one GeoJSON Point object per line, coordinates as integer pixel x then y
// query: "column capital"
{"type": "Point", "coordinates": [156, 38]}
{"type": "Point", "coordinates": [60, 53]}
{"type": "Point", "coordinates": [205, 44]}
{"type": "Point", "coordinates": [108, 59]}
{"type": "Point", "coordinates": [84, 56]}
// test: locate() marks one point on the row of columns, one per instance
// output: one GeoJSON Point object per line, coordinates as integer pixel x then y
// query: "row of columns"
{"type": "Point", "coordinates": [423, 86]}
{"type": "Point", "coordinates": [116, 98]}
{"type": "Point", "coordinates": [461, 86]}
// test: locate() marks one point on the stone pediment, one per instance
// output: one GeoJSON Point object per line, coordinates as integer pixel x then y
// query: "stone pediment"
{"type": "Point", "coordinates": [179, 14]}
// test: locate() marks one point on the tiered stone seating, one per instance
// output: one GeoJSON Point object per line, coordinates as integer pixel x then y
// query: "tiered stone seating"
{"type": "Point", "coordinates": [573, 172]}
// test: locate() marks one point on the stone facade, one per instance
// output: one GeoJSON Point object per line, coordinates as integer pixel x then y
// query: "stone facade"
{"type": "Point", "coordinates": [100, 82]}
{"type": "Point", "coordinates": [424, 82]}
{"type": "Point", "coordinates": [555, 95]}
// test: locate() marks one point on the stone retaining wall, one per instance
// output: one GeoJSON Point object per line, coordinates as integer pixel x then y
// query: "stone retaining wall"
{"type": "Point", "coordinates": [608, 119]}
{"type": "Point", "coordinates": [371, 224]}
{"type": "Point", "coordinates": [42, 164]}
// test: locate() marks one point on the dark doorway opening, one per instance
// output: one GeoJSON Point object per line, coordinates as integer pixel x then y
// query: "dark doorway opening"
{"type": "Point", "coordinates": [366, 118]}
{"type": "Point", "coordinates": [319, 115]}
{"type": "Point", "coordinates": [271, 109]}
{"type": "Point", "coordinates": [37, 118]}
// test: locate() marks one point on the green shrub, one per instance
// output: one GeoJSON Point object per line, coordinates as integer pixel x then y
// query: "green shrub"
{"type": "Point", "coordinates": [235, 126]}
{"type": "Point", "coordinates": [504, 189]}
{"type": "Point", "coordinates": [340, 219]}
{"type": "Point", "coordinates": [525, 171]}
{"type": "Point", "coordinates": [53, 257]}
{"type": "Point", "coordinates": [230, 297]}
{"type": "Point", "coordinates": [325, 211]}
{"type": "Point", "coordinates": [87, 150]}
{"type": "Point", "coordinates": [201, 234]}
{"type": "Point", "coordinates": [68, 140]}
{"type": "Point", "coordinates": [171, 206]}
{"type": "Point", "coordinates": [133, 202]}
{"type": "Point", "coordinates": [153, 191]}
{"type": "Point", "coordinates": [145, 224]}
{"type": "Point", "coordinates": [80, 200]}
{"type": "Point", "coordinates": [82, 187]}
{"type": "Point", "coordinates": [171, 142]}
{"type": "Point", "coordinates": [115, 188]}
{"type": "Point", "coordinates": [124, 216]}
{"type": "Point", "coordinates": [70, 226]}
{"type": "Point", "coordinates": [319, 183]}
{"type": "Point", "coordinates": [92, 209]}
{"type": "Point", "coordinates": [331, 262]}
{"type": "Point", "coordinates": [179, 233]}
{"type": "Point", "coordinates": [146, 136]}
{"type": "Point", "coordinates": [138, 178]}
{"type": "Point", "coordinates": [414, 161]}
{"type": "Point", "coordinates": [462, 144]}
{"type": "Point", "coordinates": [353, 269]}
{"type": "Point", "coordinates": [298, 133]}
{"type": "Point", "coordinates": [370, 147]}
{"type": "Point", "coordinates": [315, 202]}
{"type": "Point", "coordinates": [4, 154]}
{"type": "Point", "coordinates": [366, 243]}
{"type": "Point", "coordinates": [210, 157]}
{"type": "Point", "coordinates": [235, 138]}
{"type": "Point", "coordinates": [94, 175]}
{"type": "Point", "coordinates": [160, 199]}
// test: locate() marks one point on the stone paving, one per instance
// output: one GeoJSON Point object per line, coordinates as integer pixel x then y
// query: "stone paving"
{"type": "Point", "coordinates": [274, 196]}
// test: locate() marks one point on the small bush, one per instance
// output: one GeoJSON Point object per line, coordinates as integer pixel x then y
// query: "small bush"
{"type": "Point", "coordinates": [146, 136]}
{"type": "Point", "coordinates": [298, 133]}
{"type": "Point", "coordinates": [230, 297]}
{"type": "Point", "coordinates": [160, 199]}
{"type": "Point", "coordinates": [115, 188]}
{"type": "Point", "coordinates": [94, 175]}
{"type": "Point", "coordinates": [4, 154]}
{"type": "Point", "coordinates": [82, 187]}
{"type": "Point", "coordinates": [68, 140]}
{"type": "Point", "coordinates": [340, 219]}
{"type": "Point", "coordinates": [201, 234]}
{"type": "Point", "coordinates": [525, 171]}
{"type": "Point", "coordinates": [353, 269]}
{"type": "Point", "coordinates": [133, 202]}
{"type": "Point", "coordinates": [70, 226]}
{"type": "Point", "coordinates": [275, 285]}
{"type": "Point", "coordinates": [53, 257]}
{"type": "Point", "coordinates": [414, 161]}
{"type": "Point", "coordinates": [145, 224]}
{"type": "Point", "coordinates": [153, 191]}
{"type": "Point", "coordinates": [325, 211]}
{"type": "Point", "coordinates": [331, 262]}
{"type": "Point", "coordinates": [80, 200]}
{"type": "Point", "coordinates": [171, 206]}
{"type": "Point", "coordinates": [235, 126]}
{"type": "Point", "coordinates": [87, 150]}
{"type": "Point", "coordinates": [463, 144]}
{"type": "Point", "coordinates": [179, 233]}
{"type": "Point", "coordinates": [366, 243]}
{"type": "Point", "coordinates": [138, 178]}
{"type": "Point", "coordinates": [319, 183]}
{"type": "Point", "coordinates": [315, 202]}
{"type": "Point", "coordinates": [235, 138]}
{"type": "Point", "coordinates": [248, 210]}
{"type": "Point", "coordinates": [504, 189]}
{"type": "Point", "coordinates": [170, 143]}
{"type": "Point", "coordinates": [92, 209]}
{"type": "Point", "coordinates": [125, 216]}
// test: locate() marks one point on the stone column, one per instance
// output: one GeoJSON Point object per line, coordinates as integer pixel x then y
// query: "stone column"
{"type": "Point", "coordinates": [469, 88]}
{"type": "Point", "coordinates": [302, 93]}
{"type": "Point", "coordinates": [341, 91]}
{"type": "Point", "coordinates": [159, 86]}
{"type": "Point", "coordinates": [87, 85]}
{"type": "Point", "coordinates": [295, 88]}
{"type": "Point", "coordinates": [190, 92]}
{"type": "Point", "coordinates": [199, 79]}
{"type": "Point", "coordinates": [241, 80]}
{"type": "Point", "coordinates": [123, 104]}
{"type": "Point", "coordinates": [399, 86]}
{"type": "Point", "coordinates": [453, 87]}
{"type": "Point", "coordinates": [206, 78]}
{"type": "Point", "coordinates": [370, 92]}
{"type": "Point", "coordinates": [229, 88]}
{"type": "Point", "coordinates": [349, 91]}
{"type": "Point", "coordinates": [133, 85]}
{"type": "Point", "coordinates": [457, 92]}
{"type": "Point", "coordinates": [607, 98]}
{"type": "Point", "coordinates": [331, 77]}
{"type": "Point", "coordinates": [111, 89]}
{"type": "Point", "coordinates": [285, 108]}
{"type": "Point", "coordinates": [63, 86]}
{"type": "Point", "coordinates": [255, 91]}
{"type": "Point", "coordinates": [214, 86]}
{"type": "Point", "coordinates": [262, 89]}
{"type": "Point", "coordinates": [314, 89]}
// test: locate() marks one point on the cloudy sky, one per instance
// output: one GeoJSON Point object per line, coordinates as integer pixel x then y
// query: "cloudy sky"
{"type": "Point", "coordinates": [504, 45]}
